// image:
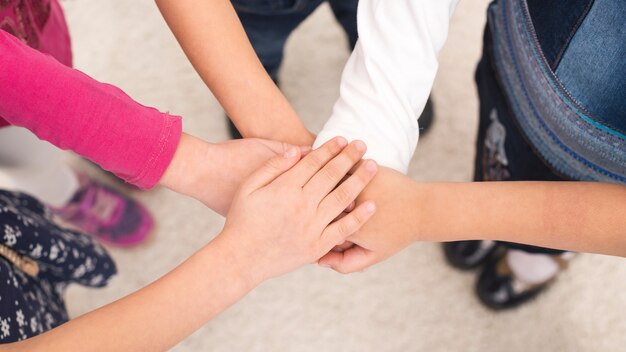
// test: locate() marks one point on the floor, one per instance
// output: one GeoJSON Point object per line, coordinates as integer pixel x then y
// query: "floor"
{"type": "Point", "coordinates": [413, 302]}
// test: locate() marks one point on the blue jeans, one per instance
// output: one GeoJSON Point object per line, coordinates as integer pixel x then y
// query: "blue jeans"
{"type": "Point", "coordinates": [552, 92]}
{"type": "Point", "coordinates": [268, 24]}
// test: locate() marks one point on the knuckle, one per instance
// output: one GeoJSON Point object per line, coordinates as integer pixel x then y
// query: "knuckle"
{"type": "Point", "coordinates": [342, 195]}
{"type": "Point", "coordinates": [314, 161]}
{"type": "Point", "coordinates": [358, 219]}
{"type": "Point", "coordinates": [362, 174]}
{"type": "Point", "coordinates": [354, 154]}
{"type": "Point", "coordinates": [360, 179]}
{"type": "Point", "coordinates": [274, 164]}
{"type": "Point", "coordinates": [285, 146]}
{"type": "Point", "coordinates": [344, 227]}
{"type": "Point", "coordinates": [333, 148]}
{"type": "Point", "coordinates": [331, 173]}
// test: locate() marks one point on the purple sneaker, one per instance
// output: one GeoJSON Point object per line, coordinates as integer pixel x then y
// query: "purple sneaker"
{"type": "Point", "coordinates": [107, 214]}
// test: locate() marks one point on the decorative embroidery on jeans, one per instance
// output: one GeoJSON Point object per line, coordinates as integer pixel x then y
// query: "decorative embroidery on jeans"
{"type": "Point", "coordinates": [495, 161]}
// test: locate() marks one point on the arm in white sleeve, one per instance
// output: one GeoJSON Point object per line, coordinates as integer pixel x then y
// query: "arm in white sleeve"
{"type": "Point", "coordinates": [389, 76]}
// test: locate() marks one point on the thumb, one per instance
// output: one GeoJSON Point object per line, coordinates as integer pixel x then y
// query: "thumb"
{"type": "Point", "coordinates": [353, 259]}
{"type": "Point", "coordinates": [273, 168]}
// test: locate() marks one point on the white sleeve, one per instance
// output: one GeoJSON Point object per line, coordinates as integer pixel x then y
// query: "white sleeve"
{"type": "Point", "coordinates": [389, 76]}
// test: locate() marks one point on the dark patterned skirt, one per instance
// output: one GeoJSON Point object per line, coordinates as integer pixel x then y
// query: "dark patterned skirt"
{"type": "Point", "coordinates": [38, 260]}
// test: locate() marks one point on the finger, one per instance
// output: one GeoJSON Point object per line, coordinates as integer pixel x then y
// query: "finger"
{"type": "Point", "coordinates": [316, 159]}
{"type": "Point", "coordinates": [350, 207]}
{"type": "Point", "coordinates": [355, 167]}
{"type": "Point", "coordinates": [352, 260]}
{"type": "Point", "coordinates": [305, 150]}
{"type": "Point", "coordinates": [337, 232]}
{"type": "Point", "coordinates": [281, 147]}
{"type": "Point", "coordinates": [340, 216]}
{"type": "Point", "coordinates": [334, 171]}
{"type": "Point", "coordinates": [273, 168]}
{"type": "Point", "coordinates": [343, 195]}
{"type": "Point", "coordinates": [343, 247]}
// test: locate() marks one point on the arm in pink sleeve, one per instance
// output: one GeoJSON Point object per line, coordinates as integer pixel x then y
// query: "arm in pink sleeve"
{"type": "Point", "coordinates": [75, 112]}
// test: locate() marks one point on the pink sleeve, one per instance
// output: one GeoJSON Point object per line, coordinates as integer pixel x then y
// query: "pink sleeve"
{"type": "Point", "coordinates": [75, 112]}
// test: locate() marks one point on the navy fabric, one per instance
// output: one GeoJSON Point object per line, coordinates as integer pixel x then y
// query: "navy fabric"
{"type": "Point", "coordinates": [555, 22]}
{"type": "Point", "coordinates": [268, 24]}
{"type": "Point", "coordinates": [535, 122]}
{"type": "Point", "coordinates": [502, 152]}
{"type": "Point", "coordinates": [593, 67]}
{"type": "Point", "coordinates": [32, 305]}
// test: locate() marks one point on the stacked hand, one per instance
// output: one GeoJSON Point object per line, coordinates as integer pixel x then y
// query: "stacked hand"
{"type": "Point", "coordinates": [386, 233]}
{"type": "Point", "coordinates": [212, 172]}
{"type": "Point", "coordinates": [283, 215]}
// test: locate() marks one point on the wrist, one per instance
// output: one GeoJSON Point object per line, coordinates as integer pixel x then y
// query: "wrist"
{"type": "Point", "coordinates": [183, 174]}
{"type": "Point", "coordinates": [241, 264]}
{"type": "Point", "coordinates": [422, 194]}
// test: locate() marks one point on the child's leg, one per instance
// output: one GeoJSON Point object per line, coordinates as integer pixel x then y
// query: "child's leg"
{"type": "Point", "coordinates": [35, 167]}
{"type": "Point", "coordinates": [268, 25]}
{"type": "Point", "coordinates": [32, 294]}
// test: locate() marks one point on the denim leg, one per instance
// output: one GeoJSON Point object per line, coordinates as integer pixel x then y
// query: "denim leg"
{"type": "Point", "coordinates": [502, 152]}
{"type": "Point", "coordinates": [593, 66]}
{"type": "Point", "coordinates": [268, 24]}
{"type": "Point", "coordinates": [345, 12]}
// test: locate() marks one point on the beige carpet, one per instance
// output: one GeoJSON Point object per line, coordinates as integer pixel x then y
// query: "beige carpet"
{"type": "Point", "coordinates": [413, 302]}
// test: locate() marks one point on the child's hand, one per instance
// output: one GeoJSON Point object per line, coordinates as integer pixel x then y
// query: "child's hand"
{"type": "Point", "coordinates": [281, 220]}
{"type": "Point", "coordinates": [212, 172]}
{"type": "Point", "coordinates": [385, 234]}
{"type": "Point", "coordinates": [234, 161]}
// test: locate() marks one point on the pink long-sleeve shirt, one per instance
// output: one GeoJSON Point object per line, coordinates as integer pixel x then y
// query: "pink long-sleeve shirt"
{"type": "Point", "coordinates": [39, 91]}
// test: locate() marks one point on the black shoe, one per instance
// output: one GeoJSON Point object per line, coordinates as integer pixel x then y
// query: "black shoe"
{"type": "Point", "coordinates": [427, 117]}
{"type": "Point", "coordinates": [467, 255]}
{"type": "Point", "coordinates": [498, 289]}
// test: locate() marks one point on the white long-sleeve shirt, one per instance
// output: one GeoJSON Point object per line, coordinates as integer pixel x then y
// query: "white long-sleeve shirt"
{"type": "Point", "coordinates": [389, 76]}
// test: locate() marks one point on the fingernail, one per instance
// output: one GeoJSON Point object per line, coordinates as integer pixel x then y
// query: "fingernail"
{"type": "Point", "coordinates": [360, 146]}
{"type": "Point", "coordinates": [370, 207]}
{"type": "Point", "coordinates": [291, 152]}
{"type": "Point", "coordinates": [371, 166]}
{"type": "Point", "coordinates": [342, 142]}
{"type": "Point", "coordinates": [305, 150]}
{"type": "Point", "coordinates": [325, 265]}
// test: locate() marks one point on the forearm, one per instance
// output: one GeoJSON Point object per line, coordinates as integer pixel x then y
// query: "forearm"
{"type": "Point", "coordinates": [215, 42]}
{"type": "Point", "coordinates": [160, 315]}
{"type": "Point", "coordinates": [212, 172]}
{"type": "Point", "coordinates": [389, 76]}
{"type": "Point", "coordinates": [577, 216]}
{"type": "Point", "coordinates": [75, 112]}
